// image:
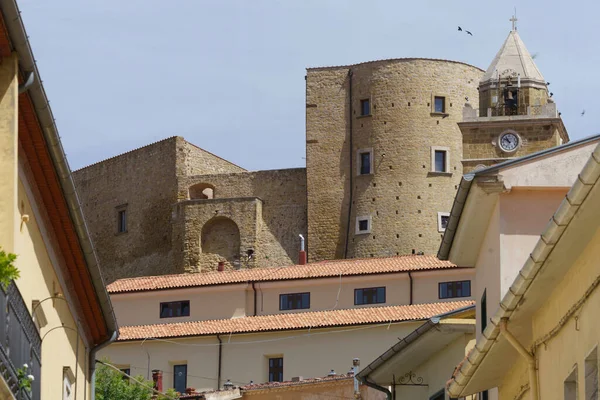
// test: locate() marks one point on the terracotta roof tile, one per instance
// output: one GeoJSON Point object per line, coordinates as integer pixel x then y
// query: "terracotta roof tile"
{"type": "Point", "coordinates": [306, 381]}
{"type": "Point", "coordinates": [320, 269]}
{"type": "Point", "coordinates": [291, 321]}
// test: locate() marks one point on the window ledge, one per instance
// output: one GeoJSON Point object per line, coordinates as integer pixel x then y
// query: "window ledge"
{"type": "Point", "coordinates": [364, 116]}
{"type": "Point", "coordinates": [439, 114]}
{"type": "Point", "coordinates": [121, 233]}
{"type": "Point", "coordinates": [362, 233]}
{"type": "Point", "coordinates": [369, 174]}
{"type": "Point", "coordinates": [436, 173]}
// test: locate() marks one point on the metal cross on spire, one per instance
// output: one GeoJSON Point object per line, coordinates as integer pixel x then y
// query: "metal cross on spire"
{"type": "Point", "coordinates": [514, 21]}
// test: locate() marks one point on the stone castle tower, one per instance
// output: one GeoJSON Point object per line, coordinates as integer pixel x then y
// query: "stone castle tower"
{"type": "Point", "coordinates": [386, 145]}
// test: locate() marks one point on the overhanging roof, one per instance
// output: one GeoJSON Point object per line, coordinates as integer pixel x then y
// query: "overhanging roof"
{"type": "Point", "coordinates": [567, 234]}
{"type": "Point", "coordinates": [473, 200]}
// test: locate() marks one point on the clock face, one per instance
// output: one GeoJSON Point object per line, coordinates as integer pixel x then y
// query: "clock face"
{"type": "Point", "coordinates": [509, 141]}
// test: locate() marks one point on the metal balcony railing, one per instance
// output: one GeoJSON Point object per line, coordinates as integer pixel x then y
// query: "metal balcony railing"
{"type": "Point", "coordinates": [20, 343]}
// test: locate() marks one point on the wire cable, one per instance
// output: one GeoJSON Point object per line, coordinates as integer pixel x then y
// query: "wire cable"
{"type": "Point", "coordinates": [135, 380]}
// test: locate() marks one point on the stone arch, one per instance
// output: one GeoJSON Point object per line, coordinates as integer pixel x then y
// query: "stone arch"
{"type": "Point", "coordinates": [201, 191]}
{"type": "Point", "coordinates": [220, 237]}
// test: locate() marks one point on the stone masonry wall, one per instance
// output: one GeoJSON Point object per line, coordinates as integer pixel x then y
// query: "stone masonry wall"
{"type": "Point", "coordinates": [402, 196]}
{"type": "Point", "coordinates": [144, 182]}
{"type": "Point", "coordinates": [269, 208]}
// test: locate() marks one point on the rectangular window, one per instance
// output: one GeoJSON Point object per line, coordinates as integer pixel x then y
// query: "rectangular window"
{"type": "Point", "coordinates": [571, 385]}
{"type": "Point", "coordinates": [591, 375]}
{"type": "Point", "coordinates": [294, 301]}
{"type": "Point", "coordinates": [126, 371]}
{"type": "Point", "coordinates": [276, 369]}
{"type": "Point", "coordinates": [374, 295]}
{"type": "Point", "coordinates": [122, 221]}
{"type": "Point", "coordinates": [443, 218]}
{"type": "Point", "coordinates": [440, 161]}
{"type": "Point", "coordinates": [365, 163]}
{"type": "Point", "coordinates": [174, 309]}
{"type": "Point", "coordinates": [365, 107]}
{"type": "Point", "coordinates": [180, 377]}
{"type": "Point", "coordinates": [363, 225]}
{"type": "Point", "coordinates": [483, 310]}
{"type": "Point", "coordinates": [449, 290]}
{"type": "Point", "coordinates": [440, 104]}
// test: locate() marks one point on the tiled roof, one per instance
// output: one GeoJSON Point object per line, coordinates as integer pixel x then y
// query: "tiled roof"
{"type": "Point", "coordinates": [320, 269]}
{"type": "Point", "coordinates": [291, 321]}
{"type": "Point", "coordinates": [307, 381]}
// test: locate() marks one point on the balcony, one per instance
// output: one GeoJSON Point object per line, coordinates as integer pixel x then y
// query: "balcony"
{"type": "Point", "coordinates": [509, 112]}
{"type": "Point", "coordinates": [20, 343]}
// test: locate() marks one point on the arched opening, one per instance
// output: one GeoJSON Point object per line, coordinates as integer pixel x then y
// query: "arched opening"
{"type": "Point", "coordinates": [220, 236]}
{"type": "Point", "coordinates": [201, 191]}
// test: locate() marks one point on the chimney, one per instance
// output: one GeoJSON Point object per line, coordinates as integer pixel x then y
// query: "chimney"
{"type": "Point", "coordinates": [157, 378]}
{"type": "Point", "coordinates": [221, 266]}
{"type": "Point", "coordinates": [302, 254]}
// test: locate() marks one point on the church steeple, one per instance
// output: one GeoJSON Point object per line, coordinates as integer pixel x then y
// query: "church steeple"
{"type": "Point", "coordinates": [512, 84]}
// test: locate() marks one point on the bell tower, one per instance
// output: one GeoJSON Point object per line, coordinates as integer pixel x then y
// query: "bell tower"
{"type": "Point", "coordinates": [516, 114]}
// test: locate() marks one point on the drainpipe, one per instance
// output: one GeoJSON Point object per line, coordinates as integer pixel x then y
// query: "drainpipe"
{"type": "Point", "coordinates": [351, 164]}
{"type": "Point", "coordinates": [254, 309]}
{"type": "Point", "coordinates": [219, 365]}
{"type": "Point", "coordinates": [28, 82]}
{"type": "Point", "coordinates": [93, 363]}
{"type": "Point", "coordinates": [376, 387]}
{"type": "Point", "coordinates": [411, 288]}
{"type": "Point", "coordinates": [533, 382]}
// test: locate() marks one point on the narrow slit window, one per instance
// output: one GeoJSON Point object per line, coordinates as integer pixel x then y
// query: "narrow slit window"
{"type": "Point", "coordinates": [365, 163]}
{"type": "Point", "coordinates": [122, 220]}
{"type": "Point", "coordinates": [591, 375]}
{"type": "Point", "coordinates": [570, 385]}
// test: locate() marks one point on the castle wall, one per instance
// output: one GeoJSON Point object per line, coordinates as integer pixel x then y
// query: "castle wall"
{"type": "Point", "coordinates": [402, 196]}
{"type": "Point", "coordinates": [144, 183]}
{"type": "Point", "coordinates": [268, 207]}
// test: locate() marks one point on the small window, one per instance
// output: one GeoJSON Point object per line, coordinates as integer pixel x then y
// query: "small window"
{"type": "Point", "coordinates": [440, 104]}
{"type": "Point", "coordinates": [591, 375]}
{"type": "Point", "coordinates": [276, 369]}
{"type": "Point", "coordinates": [364, 160]}
{"type": "Point", "coordinates": [365, 107]}
{"type": "Point", "coordinates": [174, 309]}
{"type": "Point", "coordinates": [180, 377]}
{"type": "Point", "coordinates": [294, 301]}
{"type": "Point", "coordinates": [121, 220]}
{"type": "Point", "coordinates": [68, 382]}
{"type": "Point", "coordinates": [571, 385]}
{"type": "Point", "coordinates": [363, 225]}
{"type": "Point", "coordinates": [443, 218]}
{"type": "Point", "coordinates": [449, 290]}
{"type": "Point", "coordinates": [440, 161]}
{"type": "Point", "coordinates": [125, 371]}
{"type": "Point", "coordinates": [374, 295]}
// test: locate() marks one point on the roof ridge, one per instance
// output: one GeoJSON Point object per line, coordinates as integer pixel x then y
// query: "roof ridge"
{"type": "Point", "coordinates": [396, 59]}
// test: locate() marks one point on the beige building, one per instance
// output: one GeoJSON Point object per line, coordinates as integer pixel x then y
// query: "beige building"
{"type": "Point", "coordinates": [386, 145]}
{"type": "Point", "coordinates": [57, 314]}
{"type": "Point", "coordinates": [275, 324]}
{"type": "Point", "coordinates": [541, 341]}
{"type": "Point", "coordinates": [495, 226]}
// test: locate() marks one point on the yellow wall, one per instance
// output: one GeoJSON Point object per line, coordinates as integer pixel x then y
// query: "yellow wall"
{"type": "Point", "coordinates": [40, 263]}
{"type": "Point", "coordinates": [245, 357]}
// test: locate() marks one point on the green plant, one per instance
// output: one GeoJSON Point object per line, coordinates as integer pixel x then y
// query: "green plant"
{"type": "Point", "coordinates": [24, 378]}
{"type": "Point", "coordinates": [8, 271]}
{"type": "Point", "coordinates": [113, 385]}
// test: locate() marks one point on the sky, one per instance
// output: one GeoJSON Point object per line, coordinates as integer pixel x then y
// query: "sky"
{"type": "Point", "coordinates": [228, 75]}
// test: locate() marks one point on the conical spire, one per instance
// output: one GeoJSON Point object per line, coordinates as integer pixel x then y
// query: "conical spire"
{"type": "Point", "coordinates": [513, 59]}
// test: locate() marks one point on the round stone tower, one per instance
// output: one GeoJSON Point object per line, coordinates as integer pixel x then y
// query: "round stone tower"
{"type": "Point", "coordinates": [383, 154]}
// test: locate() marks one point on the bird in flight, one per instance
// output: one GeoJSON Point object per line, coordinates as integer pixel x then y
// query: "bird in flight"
{"type": "Point", "coordinates": [459, 29]}
{"type": "Point", "coordinates": [583, 113]}
{"type": "Point", "coordinates": [469, 33]}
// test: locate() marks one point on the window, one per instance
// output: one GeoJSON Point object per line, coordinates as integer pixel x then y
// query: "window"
{"type": "Point", "coordinates": [276, 369]}
{"type": "Point", "coordinates": [365, 107]}
{"type": "Point", "coordinates": [294, 301]}
{"type": "Point", "coordinates": [440, 161]}
{"type": "Point", "coordinates": [483, 310]}
{"type": "Point", "coordinates": [363, 225]}
{"type": "Point", "coordinates": [571, 385]}
{"type": "Point", "coordinates": [439, 104]}
{"type": "Point", "coordinates": [364, 164]}
{"type": "Point", "coordinates": [374, 295]}
{"type": "Point", "coordinates": [438, 396]}
{"type": "Point", "coordinates": [443, 218]}
{"type": "Point", "coordinates": [173, 309]}
{"type": "Point", "coordinates": [180, 377]}
{"type": "Point", "coordinates": [68, 381]}
{"type": "Point", "coordinates": [484, 395]}
{"type": "Point", "coordinates": [449, 290]}
{"type": "Point", "coordinates": [591, 375]}
{"type": "Point", "coordinates": [125, 371]}
{"type": "Point", "coordinates": [122, 220]}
